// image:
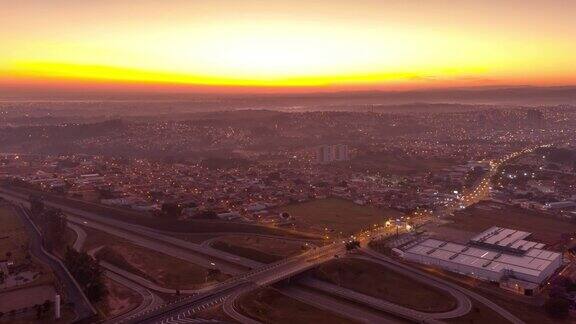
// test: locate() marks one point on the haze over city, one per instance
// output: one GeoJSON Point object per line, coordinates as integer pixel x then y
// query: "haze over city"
{"type": "Point", "coordinates": [243, 161]}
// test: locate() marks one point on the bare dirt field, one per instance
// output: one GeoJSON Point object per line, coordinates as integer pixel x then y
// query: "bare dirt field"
{"type": "Point", "coordinates": [95, 238]}
{"type": "Point", "coordinates": [544, 227]}
{"type": "Point", "coordinates": [163, 269]}
{"type": "Point", "coordinates": [270, 306]}
{"type": "Point", "coordinates": [338, 215]}
{"type": "Point", "coordinates": [119, 300]}
{"type": "Point", "coordinates": [261, 249]}
{"type": "Point", "coordinates": [374, 280]}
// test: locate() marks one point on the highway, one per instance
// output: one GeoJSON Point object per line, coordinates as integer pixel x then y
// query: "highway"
{"type": "Point", "coordinates": [80, 236]}
{"type": "Point", "coordinates": [254, 279]}
{"type": "Point", "coordinates": [150, 300]}
{"type": "Point", "coordinates": [463, 303]}
{"type": "Point", "coordinates": [148, 238]}
{"type": "Point", "coordinates": [482, 190]}
{"type": "Point", "coordinates": [432, 280]}
{"type": "Point", "coordinates": [82, 306]}
{"type": "Point", "coordinates": [342, 308]}
{"type": "Point", "coordinates": [263, 275]}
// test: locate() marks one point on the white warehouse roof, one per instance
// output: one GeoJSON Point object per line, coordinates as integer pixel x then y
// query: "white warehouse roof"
{"type": "Point", "coordinates": [505, 238]}
{"type": "Point", "coordinates": [531, 266]}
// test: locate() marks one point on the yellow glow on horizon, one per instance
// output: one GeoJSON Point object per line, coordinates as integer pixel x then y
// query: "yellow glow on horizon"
{"type": "Point", "coordinates": [227, 43]}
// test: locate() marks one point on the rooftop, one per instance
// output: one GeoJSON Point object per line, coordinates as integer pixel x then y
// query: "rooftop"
{"type": "Point", "coordinates": [532, 263]}
{"type": "Point", "coordinates": [506, 239]}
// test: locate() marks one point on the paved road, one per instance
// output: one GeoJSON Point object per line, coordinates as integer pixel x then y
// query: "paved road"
{"type": "Point", "coordinates": [120, 228]}
{"type": "Point", "coordinates": [464, 304]}
{"type": "Point", "coordinates": [80, 236]}
{"type": "Point", "coordinates": [317, 300]}
{"type": "Point", "coordinates": [343, 309]}
{"type": "Point", "coordinates": [168, 249]}
{"type": "Point", "coordinates": [218, 236]}
{"type": "Point", "coordinates": [146, 283]}
{"type": "Point", "coordinates": [229, 308]}
{"type": "Point", "coordinates": [150, 301]}
{"type": "Point", "coordinates": [254, 279]}
{"type": "Point", "coordinates": [432, 280]}
{"type": "Point", "coordinates": [82, 306]}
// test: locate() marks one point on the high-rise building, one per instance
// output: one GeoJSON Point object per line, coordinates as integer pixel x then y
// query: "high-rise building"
{"type": "Point", "coordinates": [331, 153]}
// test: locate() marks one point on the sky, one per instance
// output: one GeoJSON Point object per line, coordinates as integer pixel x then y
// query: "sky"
{"type": "Point", "coordinates": [274, 45]}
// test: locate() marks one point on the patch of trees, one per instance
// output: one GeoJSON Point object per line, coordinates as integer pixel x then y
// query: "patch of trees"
{"type": "Point", "coordinates": [558, 305]}
{"type": "Point", "coordinates": [172, 210]}
{"type": "Point", "coordinates": [87, 272]}
{"type": "Point", "coordinates": [42, 310]}
{"type": "Point", "coordinates": [53, 224]}
{"type": "Point", "coordinates": [206, 214]}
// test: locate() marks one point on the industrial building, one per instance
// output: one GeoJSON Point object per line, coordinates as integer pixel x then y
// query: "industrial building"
{"type": "Point", "coordinates": [498, 254]}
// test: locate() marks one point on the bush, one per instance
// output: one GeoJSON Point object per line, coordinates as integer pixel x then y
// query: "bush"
{"type": "Point", "coordinates": [557, 307]}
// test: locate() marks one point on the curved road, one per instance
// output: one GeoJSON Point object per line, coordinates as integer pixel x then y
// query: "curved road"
{"type": "Point", "coordinates": [229, 308]}
{"type": "Point", "coordinates": [74, 293]}
{"type": "Point", "coordinates": [149, 300]}
{"type": "Point", "coordinates": [143, 235]}
{"type": "Point", "coordinates": [407, 270]}
{"type": "Point", "coordinates": [464, 305]}
{"type": "Point", "coordinates": [80, 236]}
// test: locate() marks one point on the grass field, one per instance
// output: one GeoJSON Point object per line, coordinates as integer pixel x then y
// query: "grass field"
{"type": "Point", "coordinates": [270, 306]}
{"type": "Point", "coordinates": [13, 236]}
{"type": "Point", "coordinates": [337, 214]}
{"type": "Point", "coordinates": [544, 227]}
{"type": "Point", "coordinates": [374, 280]}
{"type": "Point", "coordinates": [260, 249]}
{"type": "Point", "coordinates": [163, 269]}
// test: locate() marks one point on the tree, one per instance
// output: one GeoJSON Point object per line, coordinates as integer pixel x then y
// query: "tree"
{"type": "Point", "coordinates": [53, 223]}
{"type": "Point", "coordinates": [38, 310]}
{"type": "Point", "coordinates": [36, 205]}
{"type": "Point", "coordinates": [87, 273]}
{"type": "Point", "coordinates": [171, 210]}
{"type": "Point", "coordinates": [207, 214]}
{"type": "Point", "coordinates": [557, 307]}
{"type": "Point", "coordinates": [46, 306]}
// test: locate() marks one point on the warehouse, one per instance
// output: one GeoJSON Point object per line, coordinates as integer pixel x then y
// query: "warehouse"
{"type": "Point", "coordinates": [495, 255]}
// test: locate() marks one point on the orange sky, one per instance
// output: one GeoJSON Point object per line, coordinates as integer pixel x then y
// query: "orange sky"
{"type": "Point", "coordinates": [286, 45]}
